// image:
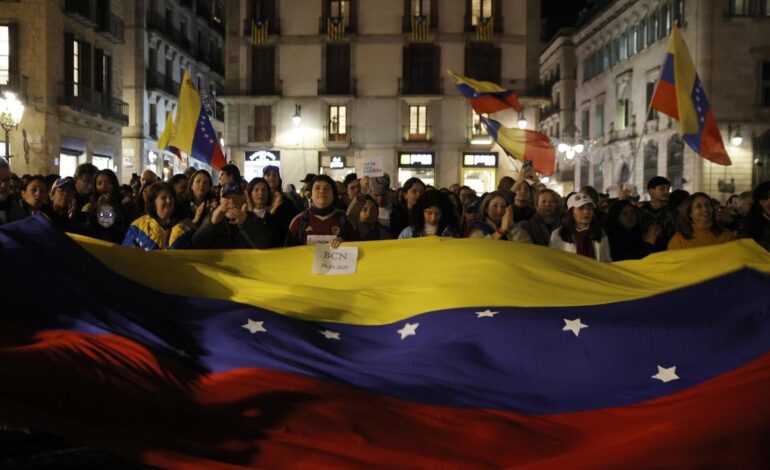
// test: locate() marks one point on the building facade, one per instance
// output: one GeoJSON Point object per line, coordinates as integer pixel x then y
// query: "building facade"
{"type": "Point", "coordinates": [366, 81]}
{"type": "Point", "coordinates": [619, 48]}
{"type": "Point", "coordinates": [163, 39]}
{"type": "Point", "coordinates": [61, 59]}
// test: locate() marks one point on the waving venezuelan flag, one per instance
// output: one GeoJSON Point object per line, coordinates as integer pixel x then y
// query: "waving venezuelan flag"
{"type": "Point", "coordinates": [490, 355]}
{"type": "Point", "coordinates": [680, 94]}
{"type": "Point", "coordinates": [524, 144]}
{"type": "Point", "coordinates": [485, 97]}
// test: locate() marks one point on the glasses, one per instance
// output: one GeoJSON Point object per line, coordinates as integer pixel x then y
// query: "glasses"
{"type": "Point", "coordinates": [105, 214]}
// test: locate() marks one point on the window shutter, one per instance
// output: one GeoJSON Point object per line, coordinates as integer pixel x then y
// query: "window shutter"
{"type": "Point", "coordinates": [436, 78]}
{"type": "Point", "coordinates": [406, 69]}
{"type": "Point", "coordinates": [68, 64]}
{"type": "Point", "coordinates": [98, 70]}
{"type": "Point", "coordinates": [13, 39]}
{"type": "Point", "coordinates": [86, 64]}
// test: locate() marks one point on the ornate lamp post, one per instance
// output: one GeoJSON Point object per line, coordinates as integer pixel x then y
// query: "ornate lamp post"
{"type": "Point", "coordinates": [11, 112]}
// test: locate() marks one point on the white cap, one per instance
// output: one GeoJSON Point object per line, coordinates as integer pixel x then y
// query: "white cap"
{"type": "Point", "coordinates": [579, 200]}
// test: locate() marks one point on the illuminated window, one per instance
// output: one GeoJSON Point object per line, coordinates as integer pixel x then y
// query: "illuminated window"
{"type": "Point", "coordinates": [418, 122]}
{"type": "Point", "coordinates": [480, 9]}
{"type": "Point", "coordinates": [75, 68]}
{"type": "Point", "coordinates": [340, 9]}
{"type": "Point", "coordinates": [338, 122]}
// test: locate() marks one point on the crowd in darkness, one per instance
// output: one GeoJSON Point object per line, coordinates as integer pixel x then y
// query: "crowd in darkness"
{"type": "Point", "coordinates": [191, 211]}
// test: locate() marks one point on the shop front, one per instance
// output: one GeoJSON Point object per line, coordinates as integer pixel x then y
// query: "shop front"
{"type": "Point", "coordinates": [336, 165]}
{"type": "Point", "coordinates": [417, 164]}
{"type": "Point", "coordinates": [479, 171]}
{"type": "Point", "coordinates": [255, 161]}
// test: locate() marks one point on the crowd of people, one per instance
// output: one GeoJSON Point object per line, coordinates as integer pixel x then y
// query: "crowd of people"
{"type": "Point", "coordinates": [190, 211]}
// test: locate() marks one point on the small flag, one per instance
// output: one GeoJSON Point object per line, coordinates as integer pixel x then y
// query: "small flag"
{"type": "Point", "coordinates": [523, 145]}
{"type": "Point", "coordinates": [193, 133]}
{"type": "Point", "coordinates": [680, 94]}
{"type": "Point", "coordinates": [485, 97]}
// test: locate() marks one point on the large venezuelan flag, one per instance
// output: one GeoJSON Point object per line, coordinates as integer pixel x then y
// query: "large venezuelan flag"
{"type": "Point", "coordinates": [485, 97]}
{"type": "Point", "coordinates": [680, 94]}
{"type": "Point", "coordinates": [524, 144]}
{"type": "Point", "coordinates": [193, 133]}
{"type": "Point", "coordinates": [489, 355]}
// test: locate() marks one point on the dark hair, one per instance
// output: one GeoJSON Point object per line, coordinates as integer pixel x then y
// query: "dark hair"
{"type": "Point", "coordinates": [612, 222]}
{"type": "Point", "coordinates": [407, 186]}
{"type": "Point", "coordinates": [27, 179]}
{"type": "Point", "coordinates": [177, 178]}
{"type": "Point", "coordinates": [755, 221]}
{"type": "Point", "coordinates": [591, 192]}
{"type": "Point", "coordinates": [684, 222]}
{"type": "Point", "coordinates": [256, 181]}
{"type": "Point", "coordinates": [326, 179]}
{"type": "Point", "coordinates": [233, 171]}
{"type": "Point", "coordinates": [433, 198]}
{"type": "Point", "coordinates": [155, 189]}
{"type": "Point", "coordinates": [86, 169]}
{"type": "Point", "coordinates": [568, 226]}
{"type": "Point", "coordinates": [188, 194]}
{"type": "Point", "coordinates": [51, 179]}
{"type": "Point", "coordinates": [356, 214]}
{"type": "Point", "coordinates": [349, 178]}
{"type": "Point", "coordinates": [676, 197]}
{"type": "Point", "coordinates": [113, 178]}
{"type": "Point", "coordinates": [118, 227]}
{"type": "Point", "coordinates": [277, 171]}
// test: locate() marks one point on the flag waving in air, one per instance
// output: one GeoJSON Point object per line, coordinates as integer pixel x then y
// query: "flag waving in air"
{"type": "Point", "coordinates": [485, 97]}
{"type": "Point", "coordinates": [193, 132]}
{"type": "Point", "coordinates": [165, 136]}
{"type": "Point", "coordinates": [523, 144]}
{"type": "Point", "coordinates": [680, 94]}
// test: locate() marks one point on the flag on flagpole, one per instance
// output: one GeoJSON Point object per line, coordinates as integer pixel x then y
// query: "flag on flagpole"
{"type": "Point", "coordinates": [485, 97]}
{"type": "Point", "coordinates": [165, 136]}
{"type": "Point", "coordinates": [679, 93]}
{"type": "Point", "coordinates": [523, 145]}
{"type": "Point", "coordinates": [193, 132]}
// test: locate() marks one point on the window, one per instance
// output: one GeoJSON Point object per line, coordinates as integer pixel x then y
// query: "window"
{"type": "Point", "coordinates": [337, 78]}
{"type": "Point", "coordinates": [5, 54]}
{"type": "Point", "coordinates": [584, 171]}
{"type": "Point", "coordinates": [480, 9]}
{"type": "Point", "coordinates": [340, 9]}
{"type": "Point", "coordinates": [677, 11]}
{"type": "Point", "coordinates": [599, 177]}
{"type": "Point", "coordinates": [421, 70]}
{"type": "Point", "coordinates": [652, 114]}
{"type": "Point", "coordinates": [599, 120]}
{"type": "Point", "coordinates": [664, 25]}
{"type": "Point", "coordinates": [420, 8]}
{"type": "Point", "coordinates": [740, 7]}
{"type": "Point", "coordinates": [764, 83]}
{"type": "Point", "coordinates": [614, 51]}
{"type": "Point", "coordinates": [605, 57]}
{"type": "Point", "coordinates": [623, 113]}
{"type": "Point", "coordinates": [77, 67]}
{"type": "Point", "coordinates": [76, 57]}
{"type": "Point", "coordinates": [153, 120]}
{"type": "Point", "coordinates": [482, 62]}
{"type": "Point", "coordinates": [642, 37]}
{"type": "Point", "coordinates": [263, 70]}
{"type": "Point", "coordinates": [418, 122]}
{"type": "Point", "coordinates": [632, 40]}
{"type": "Point", "coordinates": [477, 127]}
{"type": "Point", "coordinates": [650, 160]}
{"type": "Point", "coordinates": [675, 161]}
{"type": "Point", "coordinates": [765, 7]}
{"type": "Point", "coordinates": [338, 122]}
{"type": "Point", "coordinates": [623, 46]}
{"type": "Point", "coordinates": [261, 131]}
{"type": "Point", "coordinates": [584, 123]}
{"type": "Point", "coordinates": [652, 27]}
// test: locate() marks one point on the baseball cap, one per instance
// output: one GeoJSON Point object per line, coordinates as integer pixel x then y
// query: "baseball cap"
{"type": "Point", "coordinates": [271, 169]}
{"type": "Point", "coordinates": [230, 188]}
{"type": "Point", "coordinates": [657, 181]}
{"type": "Point", "coordinates": [66, 181]}
{"type": "Point", "coordinates": [579, 200]}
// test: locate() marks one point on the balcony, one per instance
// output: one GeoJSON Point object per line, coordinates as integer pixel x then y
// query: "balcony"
{"type": "Point", "coordinates": [419, 24]}
{"type": "Point", "coordinates": [111, 27]}
{"type": "Point", "coordinates": [261, 134]}
{"type": "Point", "coordinates": [333, 138]}
{"type": "Point", "coordinates": [418, 134]}
{"type": "Point", "coordinates": [416, 87]}
{"type": "Point", "coordinates": [158, 81]}
{"type": "Point", "coordinates": [335, 27]}
{"type": "Point", "coordinates": [83, 11]}
{"type": "Point", "coordinates": [266, 88]}
{"type": "Point", "coordinates": [14, 83]}
{"type": "Point", "coordinates": [165, 27]}
{"type": "Point", "coordinates": [495, 21]}
{"type": "Point", "coordinates": [259, 28]}
{"type": "Point", "coordinates": [331, 87]}
{"type": "Point", "coordinates": [84, 98]}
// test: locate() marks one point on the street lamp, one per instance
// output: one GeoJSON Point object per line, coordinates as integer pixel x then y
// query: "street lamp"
{"type": "Point", "coordinates": [11, 111]}
{"type": "Point", "coordinates": [572, 144]}
{"type": "Point", "coordinates": [734, 133]}
{"type": "Point", "coordinates": [522, 121]}
{"type": "Point", "coordinates": [297, 118]}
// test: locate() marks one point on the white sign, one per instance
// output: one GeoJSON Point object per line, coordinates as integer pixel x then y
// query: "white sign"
{"type": "Point", "coordinates": [337, 162]}
{"type": "Point", "coordinates": [316, 239]}
{"type": "Point", "coordinates": [331, 261]}
{"type": "Point", "coordinates": [416, 159]}
{"type": "Point", "coordinates": [480, 160]}
{"type": "Point", "coordinates": [372, 166]}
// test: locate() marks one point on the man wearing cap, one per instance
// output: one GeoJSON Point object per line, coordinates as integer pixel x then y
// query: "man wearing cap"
{"type": "Point", "coordinates": [659, 216]}
{"type": "Point", "coordinates": [305, 192]}
{"type": "Point", "coordinates": [5, 190]}
{"type": "Point", "coordinates": [231, 224]}
{"type": "Point", "coordinates": [62, 207]}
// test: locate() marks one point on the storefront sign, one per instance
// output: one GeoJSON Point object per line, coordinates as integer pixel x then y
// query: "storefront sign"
{"type": "Point", "coordinates": [480, 160]}
{"type": "Point", "coordinates": [337, 161]}
{"type": "Point", "coordinates": [416, 160]}
{"type": "Point", "coordinates": [256, 160]}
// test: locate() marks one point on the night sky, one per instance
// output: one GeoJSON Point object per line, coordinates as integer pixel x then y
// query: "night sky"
{"type": "Point", "coordinates": [559, 14]}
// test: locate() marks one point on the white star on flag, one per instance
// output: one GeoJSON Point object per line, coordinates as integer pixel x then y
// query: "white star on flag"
{"type": "Point", "coordinates": [329, 334]}
{"type": "Point", "coordinates": [666, 374]}
{"type": "Point", "coordinates": [486, 313]}
{"type": "Point", "coordinates": [574, 326]}
{"type": "Point", "coordinates": [410, 329]}
{"type": "Point", "coordinates": [254, 326]}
